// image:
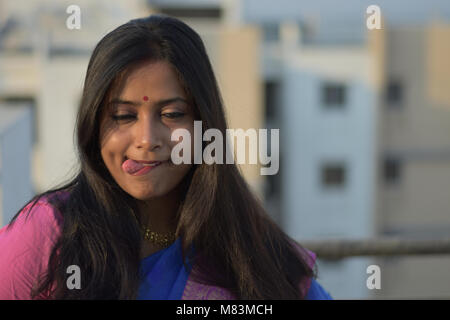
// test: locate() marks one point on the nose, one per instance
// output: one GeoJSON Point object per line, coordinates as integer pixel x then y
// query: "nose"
{"type": "Point", "coordinates": [148, 134]}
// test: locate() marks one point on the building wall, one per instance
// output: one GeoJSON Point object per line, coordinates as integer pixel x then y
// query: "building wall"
{"type": "Point", "coordinates": [314, 135]}
{"type": "Point", "coordinates": [58, 103]}
{"type": "Point", "coordinates": [15, 152]}
{"type": "Point", "coordinates": [437, 63]}
{"type": "Point", "coordinates": [415, 132]}
{"type": "Point", "coordinates": [239, 76]}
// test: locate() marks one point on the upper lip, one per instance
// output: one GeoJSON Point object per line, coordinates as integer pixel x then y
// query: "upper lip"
{"type": "Point", "coordinates": [141, 161]}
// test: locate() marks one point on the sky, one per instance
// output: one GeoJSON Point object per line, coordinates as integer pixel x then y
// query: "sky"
{"type": "Point", "coordinates": [394, 11]}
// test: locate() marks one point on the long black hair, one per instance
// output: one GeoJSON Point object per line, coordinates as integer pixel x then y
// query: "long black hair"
{"type": "Point", "coordinates": [237, 245]}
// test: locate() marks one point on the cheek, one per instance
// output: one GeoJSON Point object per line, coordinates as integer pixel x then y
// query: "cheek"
{"type": "Point", "coordinates": [113, 149]}
{"type": "Point", "coordinates": [108, 160]}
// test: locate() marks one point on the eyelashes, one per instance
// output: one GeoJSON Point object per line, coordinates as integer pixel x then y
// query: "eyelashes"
{"type": "Point", "coordinates": [173, 115]}
{"type": "Point", "coordinates": [129, 117]}
{"type": "Point", "coordinates": [122, 117]}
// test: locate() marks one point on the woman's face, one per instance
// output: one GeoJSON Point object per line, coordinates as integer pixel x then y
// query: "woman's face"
{"type": "Point", "coordinates": [136, 125]}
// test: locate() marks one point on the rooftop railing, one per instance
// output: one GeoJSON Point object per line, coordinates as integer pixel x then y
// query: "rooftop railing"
{"type": "Point", "coordinates": [346, 248]}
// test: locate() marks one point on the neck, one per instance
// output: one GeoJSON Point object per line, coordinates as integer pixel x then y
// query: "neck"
{"type": "Point", "coordinates": [159, 214]}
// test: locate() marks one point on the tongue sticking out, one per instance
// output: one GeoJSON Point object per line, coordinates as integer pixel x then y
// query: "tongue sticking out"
{"type": "Point", "coordinates": [131, 166]}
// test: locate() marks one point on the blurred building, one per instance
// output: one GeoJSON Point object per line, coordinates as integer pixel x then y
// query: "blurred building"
{"type": "Point", "coordinates": [322, 91]}
{"type": "Point", "coordinates": [364, 118]}
{"type": "Point", "coordinates": [414, 156]}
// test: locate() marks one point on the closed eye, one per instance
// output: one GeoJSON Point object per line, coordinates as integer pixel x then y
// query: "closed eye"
{"type": "Point", "coordinates": [169, 115]}
{"type": "Point", "coordinates": [173, 115]}
{"type": "Point", "coordinates": [122, 117]}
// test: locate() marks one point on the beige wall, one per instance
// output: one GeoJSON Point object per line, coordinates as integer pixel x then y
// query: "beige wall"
{"type": "Point", "coordinates": [419, 133]}
{"type": "Point", "coordinates": [58, 99]}
{"type": "Point", "coordinates": [19, 74]}
{"type": "Point", "coordinates": [414, 277]}
{"type": "Point", "coordinates": [438, 64]}
{"type": "Point", "coordinates": [376, 43]}
{"type": "Point", "coordinates": [239, 78]}
{"type": "Point", "coordinates": [422, 200]}
{"type": "Point", "coordinates": [421, 123]}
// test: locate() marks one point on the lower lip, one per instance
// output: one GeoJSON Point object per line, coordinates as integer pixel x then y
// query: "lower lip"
{"type": "Point", "coordinates": [145, 170]}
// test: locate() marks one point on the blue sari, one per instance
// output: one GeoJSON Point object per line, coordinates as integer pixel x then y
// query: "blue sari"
{"type": "Point", "coordinates": [164, 276]}
{"type": "Point", "coordinates": [317, 292]}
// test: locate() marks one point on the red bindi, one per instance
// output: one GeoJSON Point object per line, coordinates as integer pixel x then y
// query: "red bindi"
{"type": "Point", "coordinates": [145, 98]}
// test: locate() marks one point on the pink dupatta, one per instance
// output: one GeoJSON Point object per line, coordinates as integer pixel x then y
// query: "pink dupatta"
{"type": "Point", "coordinates": [198, 291]}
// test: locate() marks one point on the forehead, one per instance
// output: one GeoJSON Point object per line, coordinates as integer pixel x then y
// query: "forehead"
{"type": "Point", "coordinates": [155, 80]}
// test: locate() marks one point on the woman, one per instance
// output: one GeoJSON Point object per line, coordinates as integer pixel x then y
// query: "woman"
{"type": "Point", "coordinates": [136, 225]}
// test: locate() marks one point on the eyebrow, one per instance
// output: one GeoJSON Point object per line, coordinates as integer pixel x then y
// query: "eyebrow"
{"type": "Point", "coordinates": [159, 103]}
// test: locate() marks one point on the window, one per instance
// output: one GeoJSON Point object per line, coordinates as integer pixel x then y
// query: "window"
{"type": "Point", "coordinates": [392, 170]}
{"type": "Point", "coordinates": [271, 97]}
{"type": "Point", "coordinates": [272, 120]}
{"type": "Point", "coordinates": [273, 185]}
{"type": "Point", "coordinates": [334, 95]}
{"type": "Point", "coordinates": [333, 175]}
{"type": "Point", "coordinates": [271, 32]}
{"type": "Point", "coordinates": [27, 100]}
{"type": "Point", "coordinates": [394, 93]}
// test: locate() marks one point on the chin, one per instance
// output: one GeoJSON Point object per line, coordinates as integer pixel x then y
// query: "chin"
{"type": "Point", "coordinates": [147, 195]}
{"type": "Point", "coordinates": [144, 196]}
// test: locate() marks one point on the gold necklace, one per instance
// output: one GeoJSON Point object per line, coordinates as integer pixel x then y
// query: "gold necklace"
{"type": "Point", "coordinates": [161, 239]}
